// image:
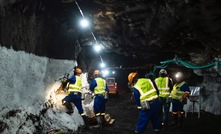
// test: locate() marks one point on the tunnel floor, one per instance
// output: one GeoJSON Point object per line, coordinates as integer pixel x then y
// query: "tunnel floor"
{"type": "Point", "coordinates": [123, 109]}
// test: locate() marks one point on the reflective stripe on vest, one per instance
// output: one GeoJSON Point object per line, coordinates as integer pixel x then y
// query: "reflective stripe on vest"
{"type": "Point", "coordinates": [101, 85]}
{"type": "Point", "coordinates": [162, 84]}
{"type": "Point", "coordinates": [176, 93]}
{"type": "Point", "coordinates": [146, 89]}
{"type": "Point", "coordinates": [76, 87]}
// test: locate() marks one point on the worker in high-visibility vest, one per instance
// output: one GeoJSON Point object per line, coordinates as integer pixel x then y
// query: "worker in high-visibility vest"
{"type": "Point", "coordinates": [165, 86]}
{"type": "Point", "coordinates": [99, 89]}
{"type": "Point", "coordinates": [74, 94]}
{"type": "Point", "coordinates": [178, 95]}
{"type": "Point", "coordinates": [146, 97]}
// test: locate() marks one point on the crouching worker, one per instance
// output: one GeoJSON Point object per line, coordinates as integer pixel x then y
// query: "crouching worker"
{"type": "Point", "coordinates": [74, 95]}
{"type": "Point", "coordinates": [146, 97]}
{"type": "Point", "coordinates": [99, 89]}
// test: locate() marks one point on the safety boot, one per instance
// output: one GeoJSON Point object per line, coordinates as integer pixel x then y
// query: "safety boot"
{"type": "Point", "coordinates": [69, 107]}
{"type": "Point", "coordinates": [86, 122]}
{"type": "Point", "coordinates": [103, 120]}
{"type": "Point", "coordinates": [175, 120]}
{"type": "Point", "coordinates": [99, 122]}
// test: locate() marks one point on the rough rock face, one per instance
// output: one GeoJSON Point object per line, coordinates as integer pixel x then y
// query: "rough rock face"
{"type": "Point", "coordinates": [143, 31]}
{"type": "Point", "coordinates": [210, 90]}
{"type": "Point", "coordinates": [31, 26]}
{"type": "Point", "coordinates": [139, 29]}
{"type": "Point", "coordinates": [159, 28]}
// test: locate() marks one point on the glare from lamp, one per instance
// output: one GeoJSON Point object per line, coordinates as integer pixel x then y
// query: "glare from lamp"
{"type": "Point", "coordinates": [97, 48]}
{"type": "Point", "coordinates": [84, 23]}
{"type": "Point", "coordinates": [113, 72]}
{"type": "Point", "coordinates": [105, 73]}
{"type": "Point", "coordinates": [178, 75]}
{"type": "Point", "coordinates": [102, 65]}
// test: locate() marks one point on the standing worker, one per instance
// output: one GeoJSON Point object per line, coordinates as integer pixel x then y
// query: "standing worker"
{"type": "Point", "coordinates": [164, 85]}
{"type": "Point", "coordinates": [131, 85]}
{"type": "Point", "coordinates": [74, 94]}
{"type": "Point", "coordinates": [179, 93]}
{"type": "Point", "coordinates": [100, 90]}
{"type": "Point", "coordinates": [146, 97]}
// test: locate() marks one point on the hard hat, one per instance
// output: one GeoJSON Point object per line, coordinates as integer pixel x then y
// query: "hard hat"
{"type": "Point", "coordinates": [163, 71]}
{"type": "Point", "coordinates": [96, 72]}
{"type": "Point", "coordinates": [78, 71]}
{"type": "Point", "coordinates": [131, 76]}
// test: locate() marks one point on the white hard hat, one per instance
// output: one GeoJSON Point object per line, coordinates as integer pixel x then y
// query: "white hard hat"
{"type": "Point", "coordinates": [163, 71]}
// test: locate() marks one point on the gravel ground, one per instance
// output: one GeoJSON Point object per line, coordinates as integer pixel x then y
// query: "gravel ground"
{"type": "Point", "coordinates": [124, 110]}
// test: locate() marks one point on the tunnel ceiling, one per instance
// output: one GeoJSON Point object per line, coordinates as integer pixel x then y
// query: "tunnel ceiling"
{"type": "Point", "coordinates": [155, 29]}
{"type": "Point", "coordinates": [137, 30]}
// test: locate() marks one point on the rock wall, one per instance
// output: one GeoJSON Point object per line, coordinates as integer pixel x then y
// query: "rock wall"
{"type": "Point", "coordinates": [33, 26]}
{"type": "Point", "coordinates": [210, 96]}
{"type": "Point", "coordinates": [211, 93]}
{"type": "Point", "coordinates": [26, 83]}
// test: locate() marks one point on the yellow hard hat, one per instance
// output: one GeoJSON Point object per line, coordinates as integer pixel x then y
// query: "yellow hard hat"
{"type": "Point", "coordinates": [96, 72]}
{"type": "Point", "coordinates": [78, 71]}
{"type": "Point", "coordinates": [131, 76]}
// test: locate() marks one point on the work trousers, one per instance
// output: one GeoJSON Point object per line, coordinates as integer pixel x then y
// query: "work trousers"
{"type": "Point", "coordinates": [152, 114]}
{"type": "Point", "coordinates": [99, 104]}
{"type": "Point", "coordinates": [177, 106]}
{"type": "Point", "coordinates": [76, 99]}
{"type": "Point", "coordinates": [165, 107]}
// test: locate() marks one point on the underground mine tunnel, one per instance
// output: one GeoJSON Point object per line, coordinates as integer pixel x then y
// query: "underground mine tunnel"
{"type": "Point", "coordinates": [42, 41]}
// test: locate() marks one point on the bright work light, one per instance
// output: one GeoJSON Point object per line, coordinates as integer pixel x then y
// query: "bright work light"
{"type": "Point", "coordinates": [84, 23]}
{"type": "Point", "coordinates": [97, 48]}
{"type": "Point", "coordinates": [102, 65]}
{"type": "Point", "coordinates": [178, 75]}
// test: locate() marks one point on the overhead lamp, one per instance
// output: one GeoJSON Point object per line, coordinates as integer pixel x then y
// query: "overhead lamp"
{"type": "Point", "coordinates": [102, 65]}
{"type": "Point", "coordinates": [97, 48]}
{"type": "Point", "coordinates": [113, 72]}
{"type": "Point", "coordinates": [84, 23]}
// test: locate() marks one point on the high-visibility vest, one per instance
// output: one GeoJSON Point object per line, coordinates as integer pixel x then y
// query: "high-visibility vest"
{"type": "Point", "coordinates": [163, 86]}
{"type": "Point", "coordinates": [176, 93]}
{"type": "Point", "coordinates": [75, 87]}
{"type": "Point", "coordinates": [146, 89]}
{"type": "Point", "coordinates": [101, 86]}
